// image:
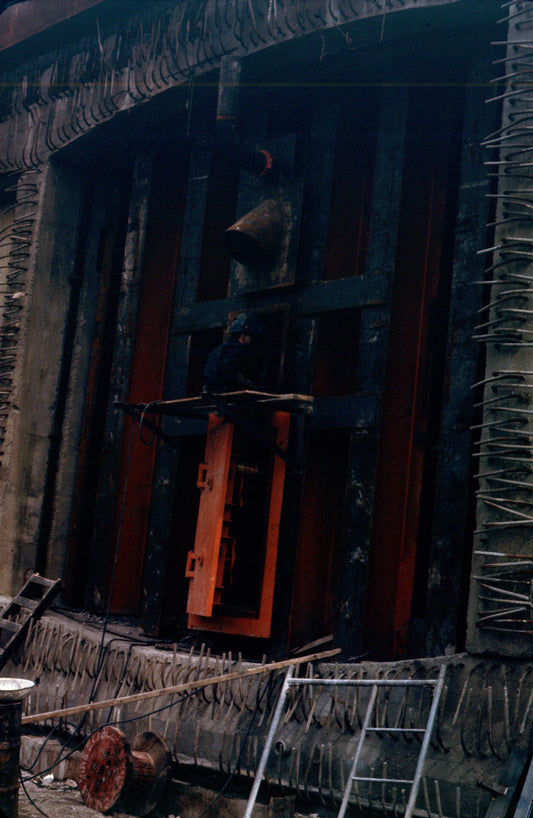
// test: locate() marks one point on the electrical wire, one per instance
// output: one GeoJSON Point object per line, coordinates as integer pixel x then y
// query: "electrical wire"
{"type": "Point", "coordinates": [72, 750]}
{"type": "Point", "coordinates": [77, 727]}
{"type": "Point", "coordinates": [103, 648]}
{"type": "Point", "coordinates": [63, 756]}
{"type": "Point", "coordinates": [101, 653]}
{"type": "Point", "coordinates": [380, 644]}
{"type": "Point", "coordinates": [31, 800]}
{"type": "Point", "coordinates": [240, 756]}
{"type": "Point", "coordinates": [117, 723]}
{"type": "Point", "coordinates": [147, 408]}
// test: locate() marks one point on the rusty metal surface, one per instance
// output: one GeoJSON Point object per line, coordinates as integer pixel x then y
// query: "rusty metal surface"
{"type": "Point", "coordinates": [236, 592]}
{"type": "Point", "coordinates": [202, 563]}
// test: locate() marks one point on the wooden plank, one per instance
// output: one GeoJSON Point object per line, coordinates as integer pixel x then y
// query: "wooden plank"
{"type": "Point", "coordinates": [9, 625]}
{"type": "Point", "coordinates": [26, 613]}
{"type": "Point", "coordinates": [201, 405]}
{"type": "Point", "coordinates": [197, 684]}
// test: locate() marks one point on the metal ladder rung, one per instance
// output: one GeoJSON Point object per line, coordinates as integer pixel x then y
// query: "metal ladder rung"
{"type": "Point", "coordinates": [395, 729]}
{"type": "Point", "coordinates": [383, 780]}
{"type": "Point", "coordinates": [374, 684]}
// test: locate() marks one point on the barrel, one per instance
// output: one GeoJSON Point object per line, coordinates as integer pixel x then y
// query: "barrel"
{"type": "Point", "coordinates": [10, 715]}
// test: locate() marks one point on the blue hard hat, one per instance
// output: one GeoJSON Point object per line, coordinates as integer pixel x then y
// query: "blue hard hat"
{"type": "Point", "coordinates": [246, 325]}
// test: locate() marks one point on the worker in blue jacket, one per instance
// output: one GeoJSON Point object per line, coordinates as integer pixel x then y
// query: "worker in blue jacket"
{"type": "Point", "coordinates": [233, 366]}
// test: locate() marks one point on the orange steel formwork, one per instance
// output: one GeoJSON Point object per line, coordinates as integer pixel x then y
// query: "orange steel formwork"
{"type": "Point", "coordinates": [211, 563]}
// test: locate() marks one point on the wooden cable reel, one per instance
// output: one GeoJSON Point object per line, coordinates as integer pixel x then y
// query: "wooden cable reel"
{"type": "Point", "coordinates": [114, 772]}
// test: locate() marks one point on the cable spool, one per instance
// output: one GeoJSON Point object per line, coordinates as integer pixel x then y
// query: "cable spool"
{"type": "Point", "coordinates": [112, 770]}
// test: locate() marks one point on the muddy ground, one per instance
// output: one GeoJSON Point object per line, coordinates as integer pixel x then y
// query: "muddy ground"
{"type": "Point", "coordinates": [60, 800]}
{"type": "Point", "coordinates": [63, 800]}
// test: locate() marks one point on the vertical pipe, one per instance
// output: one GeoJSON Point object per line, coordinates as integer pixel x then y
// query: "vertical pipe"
{"type": "Point", "coordinates": [269, 740]}
{"type": "Point", "coordinates": [425, 743]}
{"type": "Point", "coordinates": [258, 162]}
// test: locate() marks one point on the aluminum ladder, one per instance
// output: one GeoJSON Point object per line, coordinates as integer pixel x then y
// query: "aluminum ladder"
{"type": "Point", "coordinates": [414, 783]}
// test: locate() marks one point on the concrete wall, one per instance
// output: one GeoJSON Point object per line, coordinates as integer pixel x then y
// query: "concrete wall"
{"type": "Point", "coordinates": [485, 713]}
{"type": "Point", "coordinates": [35, 377]}
{"type": "Point", "coordinates": [500, 613]}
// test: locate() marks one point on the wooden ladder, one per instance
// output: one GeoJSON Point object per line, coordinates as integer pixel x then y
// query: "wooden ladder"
{"type": "Point", "coordinates": [29, 604]}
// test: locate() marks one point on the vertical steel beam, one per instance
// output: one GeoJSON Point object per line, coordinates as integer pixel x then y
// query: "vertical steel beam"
{"type": "Point", "coordinates": [446, 556]}
{"type": "Point", "coordinates": [110, 467]}
{"type": "Point", "coordinates": [167, 457]}
{"type": "Point", "coordinates": [364, 444]}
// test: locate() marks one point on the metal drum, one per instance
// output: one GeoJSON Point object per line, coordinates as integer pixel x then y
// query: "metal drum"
{"type": "Point", "coordinates": [12, 694]}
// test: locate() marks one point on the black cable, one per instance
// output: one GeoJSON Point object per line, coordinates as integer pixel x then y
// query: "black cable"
{"type": "Point", "coordinates": [116, 723]}
{"type": "Point", "coordinates": [380, 644]}
{"type": "Point", "coordinates": [47, 738]}
{"type": "Point", "coordinates": [243, 747]}
{"type": "Point", "coordinates": [153, 424]}
{"type": "Point", "coordinates": [113, 575]}
{"type": "Point", "coordinates": [103, 648]}
{"type": "Point", "coordinates": [30, 799]}
{"type": "Point", "coordinates": [76, 727]}
{"type": "Point", "coordinates": [63, 757]}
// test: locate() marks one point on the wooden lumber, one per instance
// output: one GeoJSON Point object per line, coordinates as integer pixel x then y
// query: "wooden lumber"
{"type": "Point", "coordinates": [180, 688]}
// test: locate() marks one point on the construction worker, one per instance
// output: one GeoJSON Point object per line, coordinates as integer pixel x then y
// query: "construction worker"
{"type": "Point", "coordinates": [233, 366]}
